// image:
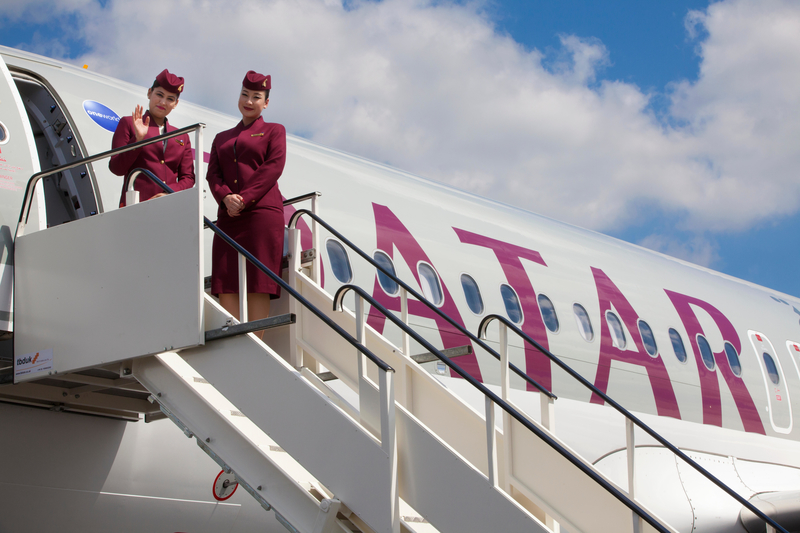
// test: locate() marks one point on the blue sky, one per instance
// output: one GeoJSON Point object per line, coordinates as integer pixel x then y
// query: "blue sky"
{"type": "Point", "coordinates": [647, 40]}
{"type": "Point", "coordinates": [649, 47]}
{"type": "Point", "coordinates": [645, 105]}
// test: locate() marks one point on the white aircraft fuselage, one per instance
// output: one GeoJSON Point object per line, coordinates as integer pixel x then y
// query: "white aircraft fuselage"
{"type": "Point", "coordinates": [710, 361]}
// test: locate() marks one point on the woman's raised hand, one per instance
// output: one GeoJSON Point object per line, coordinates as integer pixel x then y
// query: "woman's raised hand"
{"type": "Point", "coordinates": [140, 126]}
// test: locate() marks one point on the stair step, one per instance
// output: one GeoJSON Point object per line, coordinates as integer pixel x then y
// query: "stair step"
{"type": "Point", "coordinates": [250, 327]}
{"type": "Point", "coordinates": [419, 358]}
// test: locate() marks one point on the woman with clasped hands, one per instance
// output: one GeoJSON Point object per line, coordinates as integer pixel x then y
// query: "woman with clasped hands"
{"type": "Point", "coordinates": [243, 170]}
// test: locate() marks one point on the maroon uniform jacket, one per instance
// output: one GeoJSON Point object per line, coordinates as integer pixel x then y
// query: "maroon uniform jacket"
{"type": "Point", "coordinates": [173, 165]}
{"type": "Point", "coordinates": [248, 160]}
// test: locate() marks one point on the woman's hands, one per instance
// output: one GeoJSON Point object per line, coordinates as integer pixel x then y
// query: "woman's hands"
{"type": "Point", "coordinates": [140, 126]}
{"type": "Point", "coordinates": [234, 204]}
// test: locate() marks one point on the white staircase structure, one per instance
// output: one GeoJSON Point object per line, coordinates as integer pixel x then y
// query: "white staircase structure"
{"type": "Point", "coordinates": [123, 292]}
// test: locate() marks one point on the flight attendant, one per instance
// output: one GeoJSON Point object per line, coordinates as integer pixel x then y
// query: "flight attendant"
{"type": "Point", "coordinates": [171, 160]}
{"type": "Point", "coordinates": [243, 172]}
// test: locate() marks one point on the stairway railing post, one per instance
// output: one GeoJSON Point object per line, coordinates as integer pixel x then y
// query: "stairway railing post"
{"type": "Point", "coordinates": [491, 442]}
{"type": "Point", "coordinates": [200, 179]}
{"type": "Point", "coordinates": [389, 440]}
{"type": "Point", "coordinates": [363, 384]}
{"type": "Point", "coordinates": [131, 197]}
{"type": "Point", "coordinates": [242, 289]}
{"type": "Point", "coordinates": [504, 368]}
{"type": "Point", "coordinates": [295, 351]}
{"type": "Point", "coordinates": [630, 444]}
{"type": "Point", "coordinates": [315, 263]}
{"type": "Point", "coordinates": [548, 407]}
{"type": "Point", "coordinates": [404, 318]}
{"type": "Point", "coordinates": [505, 387]}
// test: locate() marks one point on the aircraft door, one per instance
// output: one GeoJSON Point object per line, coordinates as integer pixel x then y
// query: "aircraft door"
{"type": "Point", "coordinates": [18, 162]}
{"type": "Point", "coordinates": [794, 353]}
{"type": "Point", "coordinates": [779, 403]}
{"type": "Point", "coordinates": [70, 194]}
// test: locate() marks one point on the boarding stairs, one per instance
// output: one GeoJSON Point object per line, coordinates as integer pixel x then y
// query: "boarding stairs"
{"type": "Point", "coordinates": [387, 449]}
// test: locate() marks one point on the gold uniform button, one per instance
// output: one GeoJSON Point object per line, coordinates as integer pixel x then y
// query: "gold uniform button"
{"type": "Point", "coordinates": [162, 161]}
{"type": "Point", "coordinates": [234, 161]}
{"type": "Point", "coordinates": [236, 181]}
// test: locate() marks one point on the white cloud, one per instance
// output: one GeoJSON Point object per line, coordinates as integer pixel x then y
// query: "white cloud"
{"type": "Point", "coordinates": [744, 111]}
{"type": "Point", "coordinates": [697, 250]}
{"type": "Point", "coordinates": [432, 87]}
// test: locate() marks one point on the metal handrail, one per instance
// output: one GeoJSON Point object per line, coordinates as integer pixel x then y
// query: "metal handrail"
{"type": "Point", "coordinates": [133, 174]}
{"type": "Point", "coordinates": [302, 198]}
{"type": "Point", "coordinates": [522, 419]}
{"type": "Point", "coordinates": [298, 199]}
{"type": "Point", "coordinates": [26, 202]}
{"type": "Point", "coordinates": [297, 296]}
{"type": "Point", "coordinates": [285, 286]}
{"type": "Point", "coordinates": [300, 212]}
{"type": "Point", "coordinates": [627, 414]}
{"type": "Point", "coordinates": [292, 223]}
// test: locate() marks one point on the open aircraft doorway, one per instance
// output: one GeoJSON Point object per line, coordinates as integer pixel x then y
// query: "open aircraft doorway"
{"type": "Point", "coordinates": [69, 195]}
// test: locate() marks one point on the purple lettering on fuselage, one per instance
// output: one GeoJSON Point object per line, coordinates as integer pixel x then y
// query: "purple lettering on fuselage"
{"type": "Point", "coordinates": [391, 233]}
{"type": "Point", "coordinates": [608, 293]}
{"type": "Point", "coordinates": [510, 257]}
{"type": "Point", "coordinates": [709, 384]}
{"type": "Point", "coordinates": [206, 156]}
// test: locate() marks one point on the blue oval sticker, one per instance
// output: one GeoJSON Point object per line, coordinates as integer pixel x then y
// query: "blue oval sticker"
{"type": "Point", "coordinates": [102, 115]}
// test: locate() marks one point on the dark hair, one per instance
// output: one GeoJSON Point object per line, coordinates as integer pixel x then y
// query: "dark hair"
{"type": "Point", "coordinates": [156, 85]}
{"type": "Point", "coordinates": [265, 91]}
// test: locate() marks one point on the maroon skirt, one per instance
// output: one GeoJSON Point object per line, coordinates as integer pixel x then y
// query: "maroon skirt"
{"type": "Point", "coordinates": [260, 232]}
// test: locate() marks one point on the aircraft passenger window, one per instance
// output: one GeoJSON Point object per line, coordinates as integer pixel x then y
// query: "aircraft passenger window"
{"type": "Point", "coordinates": [677, 345]}
{"type": "Point", "coordinates": [472, 293]}
{"type": "Point", "coordinates": [431, 288]}
{"type": "Point", "coordinates": [511, 301]}
{"type": "Point", "coordinates": [584, 323]}
{"type": "Point", "coordinates": [340, 264]}
{"type": "Point", "coordinates": [389, 285]}
{"type": "Point", "coordinates": [3, 134]}
{"type": "Point", "coordinates": [772, 370]}
{"type": "Point", "coordinates": [648, 338]}
{"type": "Point", "coordinates": [617, 333]}
{"type": "Point", "coordinates": [548, 313]}
{"type": "Point", "coordinates": [706, 353]}
{"type": "Point", "coordinates": [733, 359]}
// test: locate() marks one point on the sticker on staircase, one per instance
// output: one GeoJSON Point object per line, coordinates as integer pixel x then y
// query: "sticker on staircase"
{"type": "Point", "coordinates": [224, 486]}
{"type": "Point", "coordinates": [33, 363]}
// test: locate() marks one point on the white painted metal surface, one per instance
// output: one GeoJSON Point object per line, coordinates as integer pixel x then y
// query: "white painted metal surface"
{"type": "Point", "coordinates": [215, 422]}
{"type": "Point", "coordinates": [570, 252]}
{"type": "Point", "coordinates": [17, 163]}
{"type": "Point", "coordinates": [114, 286]}
{"type": "Point", "coordinates": [266, 389]}
{"type": "Point", "coordinates": [90, 474]}
{"type": "Point", "coordinates": [450, 492]}
{"type": "Point", "coordinates": [528, 465]}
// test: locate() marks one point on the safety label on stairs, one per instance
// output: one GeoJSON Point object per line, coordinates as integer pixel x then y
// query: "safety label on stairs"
{"type": "Point", "coordinates": [33, 363]}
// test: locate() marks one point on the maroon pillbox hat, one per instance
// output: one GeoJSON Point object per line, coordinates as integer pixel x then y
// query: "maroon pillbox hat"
{"type": "Point", "coordinates": [257, 82]}
{"type": "Point", "coordinates": [170, 82]}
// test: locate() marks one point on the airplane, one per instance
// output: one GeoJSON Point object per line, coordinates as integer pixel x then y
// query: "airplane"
{"type": "Point", "coordinates": [708, 361]}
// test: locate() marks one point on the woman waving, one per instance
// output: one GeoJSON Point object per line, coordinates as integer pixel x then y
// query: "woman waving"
{"type": "Point", "coordinates": [171, 161]}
